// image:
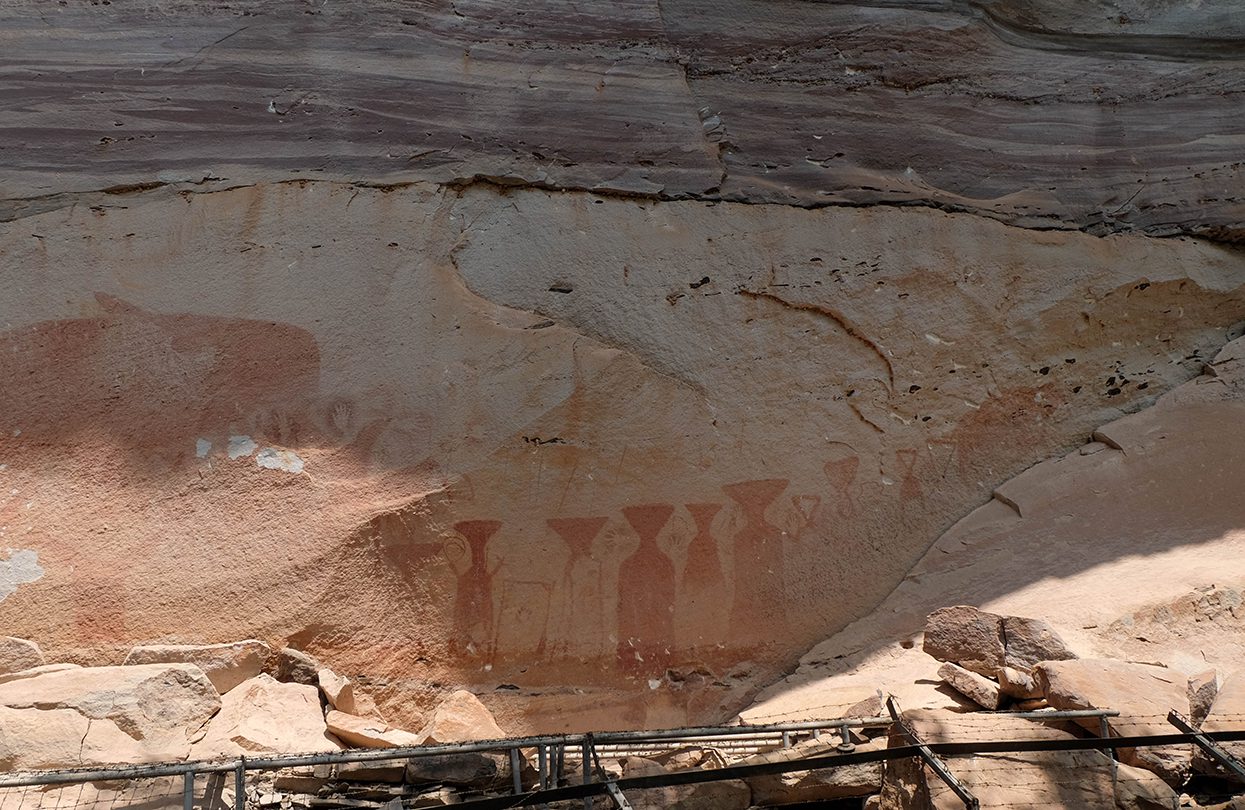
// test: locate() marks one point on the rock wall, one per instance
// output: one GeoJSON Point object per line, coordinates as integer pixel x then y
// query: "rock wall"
{"type": "Point", "coordinates": [610, 356]}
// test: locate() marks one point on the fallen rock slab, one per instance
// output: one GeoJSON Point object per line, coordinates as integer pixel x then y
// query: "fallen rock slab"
{"type": "Point", "coordinates": [966, 636]}
{"type": "Point", "coordinates": [826, 784]}
{"type": "Point", "coordinates": [1065, 779]}
{"type": "Point", "coordinates": [981, 690]}
{"type": "Point", "coordinates": [296, 666]}
{"type": "Point", "coordinates": [226, 665]}
{"type": "Point", "coordinates": [37, 739]}
{"type": "Point", "coordinates": [1226, 714]}
{"type": "Point", "coordinates": [339, 691]}
{"type": "Point", "coordinates": [17, 654]}
{"type": "Point", "coordinates": [469, 769]}
{"type": "Point", "coordinates": [728, 794]}
{"type": "Point", "coordinates": [1028, 641]}
{"type": "Point", "coordinates": [1143, 695]}
{"type": "Point", "coordinates": [164, 705]}
{"type": "Point", "coordinates": [263, 715]}
{"type": "Point", "coordinates": [1202, 690]}
{"type": "Point", "coordinates": [460, 717]}
{"type": "Point", "coordinates": [30, 673]}
{"type": "Point", "coordinates": [385, 772]}
{"type": "Point", "coordinates": [1018, 685]}
{"type": "Point", "coordinates": [366, 733]}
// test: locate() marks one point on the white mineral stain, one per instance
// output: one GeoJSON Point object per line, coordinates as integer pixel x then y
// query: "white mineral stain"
{"type": "Point", "coordinates": [270, 458]}
{"type": "Point", "coordinates": [202, 448]}
{"type": "Point", "coordinates": [240, 446]}
{"type": "Point", "coordinates": [21, 567]}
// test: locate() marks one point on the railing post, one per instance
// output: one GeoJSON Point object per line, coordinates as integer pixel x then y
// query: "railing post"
{"type": "Point", "coordinates": [188, 790]}
{"type": "Point", "coordinates": [588, 769]}
{"type": "Point", "coordinates": [845, 746]}
{"type": "Point", "coordinates": [516, 774]}
{"type": "Point", "coordinates": [935, 764]}
{"type": "Point", "coordinates": [239, 785]}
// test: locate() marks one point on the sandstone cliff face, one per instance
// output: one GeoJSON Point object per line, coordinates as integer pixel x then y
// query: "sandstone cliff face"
{"type": "Point", "coordinates": [575, 350]}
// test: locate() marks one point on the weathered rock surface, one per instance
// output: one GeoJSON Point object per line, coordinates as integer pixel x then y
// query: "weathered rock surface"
{"type": "Point", "coordinates": [986, 643]}
{"type": "Point", "coordinates": [1226, 713]}
{"type": "Point", "coordinates": [979, 689]}
{"type": "Point", "coordinates": [1065, 779]}
{"type": "Point", "coordinates": [1153, 570]}
{"type": "Point", "coordinates": [813, 786]}
{"type": "Point", "coordinates": [1028, 641]}
{"type": "Point", "coordinates": [620, 264]}
{"type": "Point", "coordinates": [1141, 693]}
{"type": "Point", "coordinates": [460, 717]}
{"type": "Point", "coordinates": [966, 636]}
{"type": "Point", "coordinates": [338, 691]}
{"type": "Point", "coordinates": [468, 769]}
{"type": "Point", "coordinates": [263, 715]}
{"type": "Point", "coordinates": [1127, 120]}
{"type": "Point", "coordinates": [17, 654]}
{"type": "Point", "coordinates": [296, 666]}
{"type": "Point", "coordinates": [36, 739]}
{"type": "Point", "coordinates": [1202, 690]}
{"type": "Point", "coordinates": [727, 794]}
{"type": "Point", "coordinates": [162, 705]}
{"type": "Point", "coordinates": [1018, 685]}
{"type": "Point", "coordinates": [226, 665]}
{"type": "Point", "coordinates": [365, 733]}
{"type": "Point", "coordinates": [30, 673]}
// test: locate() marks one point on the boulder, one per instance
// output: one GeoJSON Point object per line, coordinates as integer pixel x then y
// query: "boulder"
{"type": "Point", "coordinates": [226, 665]}
{"type": "Point", "coordinates": [17, 654]}
{"type": "Point", "coordinates": [1202, 690]}
{"type": "Point", "coordinates": [728, 794]}
{"type": "Point", "coordinates": [966, 636]}
{"type": "Point", "coordinates": [1143, 695]}
{"type": "Point", "coordinates": [365, 706]}
{"type": "Point", "coordinates": [339, 691]}
{"type": "Point", "coordinates": [35, 739]}
{"type": "Point", "coordinates": [392, 772]}
{"type": "Point", "coordinates": [794, 787]}
{"type": "Point", "coordinates": [30, 673]}
{"type": "Point", "coordinates": [296, 666]}
{"type": "Point", "coordinates": [300, 780]}
{"type": "Point", "coordinates": [1225, 714]}
{"type": "Point", "coordinates": [163, 705]}
{"type": "Point", "coordinates": [1028, 641]}
{"type": "Point", "coordinates": [439, 797]}
{"type": "Point", "coordinates": [1018, 685]}
{"type": "Point", "coordinates": [468, 769]}
{"type": "Point", "coordinates": [1045, 779]}
{"type": "Point", "coordinates": [263, 715]}
{"type": "Point", "coordinates": [982, 691]}
{"type": "Point", "coordinates": [460, 717]}
{"type": "Point", "coordinates": [364, 733]}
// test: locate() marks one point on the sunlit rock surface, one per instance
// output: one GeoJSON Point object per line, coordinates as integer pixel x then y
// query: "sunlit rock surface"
{"type": "Point", "coordinates": [618, 354]}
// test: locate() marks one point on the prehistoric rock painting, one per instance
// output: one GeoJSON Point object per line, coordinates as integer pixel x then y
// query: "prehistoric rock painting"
{"type": "Point", "coordinates": [523, 618]}
{"type": "Point", "coordinates": [758, 612]}
{"type": "Point", "coordinates": [842, 474]}
{"type": "Point", "coordinates": [646, 594]}
{"type": "Point", "coordinates": [703, 570]}
{"type": "Point", "coordinates": [142, 376]}
{"type": "Point", "coordinates": [473, 603]}
{"type": "Point", "coordinates": [580, 586]}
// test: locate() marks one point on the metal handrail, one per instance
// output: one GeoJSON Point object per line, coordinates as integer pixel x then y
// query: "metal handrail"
{"type": "Point", "coordinates": [570, 741]}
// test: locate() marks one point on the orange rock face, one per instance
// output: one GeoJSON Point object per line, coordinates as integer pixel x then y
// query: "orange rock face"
{"type": "Point", "coordinates": [600, 362]}
{"type": "Point", "coordinates": [421, 465]}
